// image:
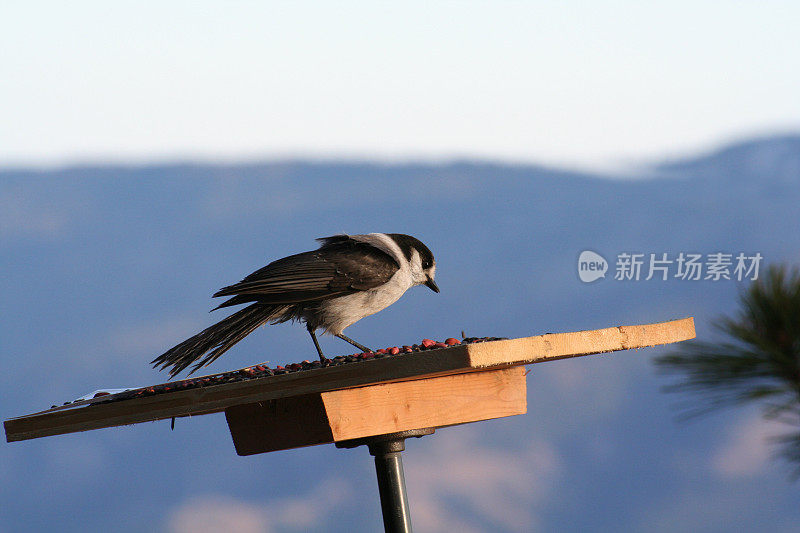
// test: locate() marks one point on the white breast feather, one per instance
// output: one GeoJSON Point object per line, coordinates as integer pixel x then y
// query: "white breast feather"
{"type": "Point", "coordinates": [339, 313]}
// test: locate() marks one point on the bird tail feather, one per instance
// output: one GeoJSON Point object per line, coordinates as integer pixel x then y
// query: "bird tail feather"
{"type": "Point", "coordinates": [215, 340]}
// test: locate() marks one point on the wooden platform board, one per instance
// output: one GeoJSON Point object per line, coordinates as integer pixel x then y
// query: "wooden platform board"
{"type": "Point", "coordinates": [459, 359]}
{"type": "Point", "coordinates": [346, 414]}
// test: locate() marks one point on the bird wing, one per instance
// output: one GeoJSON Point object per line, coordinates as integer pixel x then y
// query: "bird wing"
{"type": "Point", "coordinates": [339, 267]}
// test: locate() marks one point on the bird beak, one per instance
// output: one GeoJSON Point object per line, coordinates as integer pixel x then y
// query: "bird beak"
{"type": "Point", "coordinates": [432, 285]}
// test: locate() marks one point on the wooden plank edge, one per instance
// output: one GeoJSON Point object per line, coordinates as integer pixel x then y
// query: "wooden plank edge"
{"type": "Point", "coordinates": [434, 402]}
{"type": "Point", "coordinates": [540, 348]}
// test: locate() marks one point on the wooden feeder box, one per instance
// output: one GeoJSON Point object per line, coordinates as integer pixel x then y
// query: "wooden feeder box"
{"type": "Point", "coordinates": [378, 402]}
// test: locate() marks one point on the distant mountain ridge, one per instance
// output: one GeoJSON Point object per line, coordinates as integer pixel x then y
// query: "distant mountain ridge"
{"type": "Point", "coordinates": [746, 160]}
{"type": "Point", "coordinates": [772, 159]}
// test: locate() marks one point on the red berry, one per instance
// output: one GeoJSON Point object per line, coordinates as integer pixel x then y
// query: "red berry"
{"type": "Point", "coordinates": [382, 350]}
{"type": "Point", "coordinates": [440, 345]}
{"type": "Point", "coordinates": [428, 343]}
{"type": "Point", "coordinates": [451, 341]}
{"type": "Point", "coordinates": [394, 350]}
{"type": "Point", "coordinates": [368, 356]}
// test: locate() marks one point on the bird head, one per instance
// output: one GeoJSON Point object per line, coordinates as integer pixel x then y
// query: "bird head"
{"type": "Point", "coordinates": [422, 263]}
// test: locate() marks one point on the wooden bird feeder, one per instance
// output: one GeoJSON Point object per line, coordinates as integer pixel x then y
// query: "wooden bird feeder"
{"type": "Point", "coordinates": [377, 403]}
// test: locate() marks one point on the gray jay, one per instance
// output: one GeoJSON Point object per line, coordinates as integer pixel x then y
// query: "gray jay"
{"type": "Point", "coordinates": [346, 279]}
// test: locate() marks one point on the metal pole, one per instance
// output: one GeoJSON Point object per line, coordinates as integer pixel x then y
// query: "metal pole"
{"type": "Point", "coordinates": [391, 481]}
{"type": "Point", "coordinates": [392, 485]}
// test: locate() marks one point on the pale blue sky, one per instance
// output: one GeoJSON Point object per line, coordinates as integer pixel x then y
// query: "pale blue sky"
{"type": "Point", "coordinates": [557, 82]}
